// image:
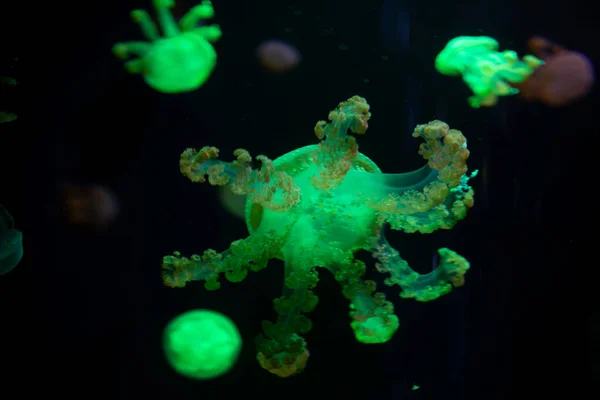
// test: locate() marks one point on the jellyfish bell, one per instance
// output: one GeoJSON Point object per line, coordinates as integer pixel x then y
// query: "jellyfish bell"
{"type": "Point", "coordinates": [566, 76]}
{"type": "Point", "coordinates": [91, 206]}
{"type": "Point", "coordinates": [278, 56]}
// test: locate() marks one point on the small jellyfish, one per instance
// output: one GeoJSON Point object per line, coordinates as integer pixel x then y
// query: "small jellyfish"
{"type": "Point", "coordinates": [183, 58]}
{"type": "Point", "coordinates": [92, 206]}
{"type": "Point", "coordinates": [11, 243]}
{"type": "Point", "coordinates": [278, 56]}
{"type": "Point", "coordinates": [202, 344]}
{"type": "Point", "coordinates": [565, 77]}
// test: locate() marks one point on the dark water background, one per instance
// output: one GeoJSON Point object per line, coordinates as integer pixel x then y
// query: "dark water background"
{"type": "Point", "coordinates": [83, 313]}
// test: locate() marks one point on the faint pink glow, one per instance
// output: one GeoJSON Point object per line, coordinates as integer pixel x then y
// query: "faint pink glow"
{"type": "Point", "coordinates": [565, 77]}
{"type": "Point", "coordinates": [92, 206]}
{"type": "Point", "coordinates": [278, 56]}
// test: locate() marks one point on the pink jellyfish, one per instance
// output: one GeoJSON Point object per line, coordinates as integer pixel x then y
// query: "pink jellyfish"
{"type": "Point", "coordinates": [91, 206]}
{"type": "Point", "coordinates": [565, 77]}
{"type": "Point", "coordinates": [278, 56]}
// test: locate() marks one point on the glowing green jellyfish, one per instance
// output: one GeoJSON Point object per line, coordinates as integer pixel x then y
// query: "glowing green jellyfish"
{"type": "Point", "coordinates": [201, 344]}
{"type": "Point", "coordinates": [316, 207]}
{"type": "Point", "coordinates": [183, 59]}
{"type": "Point", "coordinates": [486, 71]}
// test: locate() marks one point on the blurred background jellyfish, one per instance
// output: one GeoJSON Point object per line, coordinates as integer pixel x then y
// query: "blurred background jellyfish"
{"type": "Point", "coordinates": [92, 206]}
{"type": "Point", "coordinates": [566, 76]}
{"type": "Point", "coordinates": [278, 56]}
{"type": "Point", "coordinates": [181, 60]}
{"type": "Point", "coordinates": [11, 243]}
{"type": "Point", "coordinates": [202, 344]}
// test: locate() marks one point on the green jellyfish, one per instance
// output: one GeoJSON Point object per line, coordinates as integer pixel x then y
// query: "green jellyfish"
{"type": "Point", "coordinates": [11, 243]}
{"type": "Point", "coordinates": [202, 344]}
{"type": "Point", "coordinates": [183, 58]}
{"type": "Point", "coordinates": [317, 206]}
{"type": "Point", "coordinates": [488, 72]}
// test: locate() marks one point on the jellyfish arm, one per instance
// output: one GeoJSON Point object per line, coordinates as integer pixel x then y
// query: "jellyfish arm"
{"type": "Point", "coordinates": [337, 149]}
{"type": "Point", "coordinates": [373, 318]}
{"type": "Point", "coordinates": [274, 190]}
{"type": "Point", "coordinates": [422, 287]}
{"type": "Point", "coordinates": [281, 349]}
{"type": "Point", "coordinates": [436, 196]}
{"type": "Point", "coordinates": [250, 254]}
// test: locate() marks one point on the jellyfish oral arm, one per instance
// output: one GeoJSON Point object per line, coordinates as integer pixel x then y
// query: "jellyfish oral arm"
{"type": "Point", "coordinates": [272, 189]}
{"type": "Point", "coordinates": [422, 287]}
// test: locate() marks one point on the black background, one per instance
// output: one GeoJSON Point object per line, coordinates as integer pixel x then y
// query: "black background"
{"type": "Point", "coordinates": [83, 312]}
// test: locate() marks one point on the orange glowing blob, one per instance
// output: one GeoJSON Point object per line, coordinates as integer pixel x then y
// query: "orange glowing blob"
{"type": "Point", "coordinates": [565, 77]}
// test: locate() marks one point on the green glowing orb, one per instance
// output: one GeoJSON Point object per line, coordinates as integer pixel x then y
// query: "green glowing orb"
{"type": "Point", "coordinates": [201, 344]}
